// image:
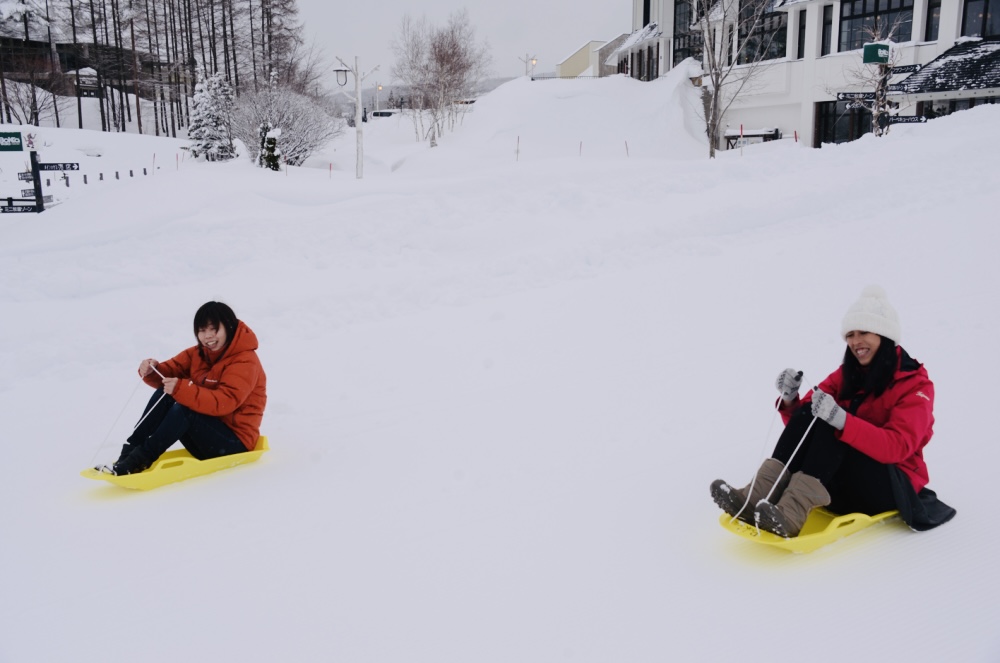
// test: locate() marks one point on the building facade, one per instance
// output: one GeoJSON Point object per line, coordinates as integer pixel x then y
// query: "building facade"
{"type": "Point", "coordinates": [813, 52]}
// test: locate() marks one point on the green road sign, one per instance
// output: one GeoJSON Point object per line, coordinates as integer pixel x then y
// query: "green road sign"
{"type": "Point", "coordinates": [11, 142]}
{"type": "Point", "coordinates": [876, 54]}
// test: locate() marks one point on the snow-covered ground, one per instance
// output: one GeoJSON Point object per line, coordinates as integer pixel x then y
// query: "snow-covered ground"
{"type": "Point", "coordinates": [500, 384]}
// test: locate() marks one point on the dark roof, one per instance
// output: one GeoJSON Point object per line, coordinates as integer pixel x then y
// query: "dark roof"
{"type": "Point", "coordinates": [971, 64]}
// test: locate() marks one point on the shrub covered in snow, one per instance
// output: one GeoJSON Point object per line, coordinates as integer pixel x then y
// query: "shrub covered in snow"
{"type": "Point", "coordinates": [305, 125]}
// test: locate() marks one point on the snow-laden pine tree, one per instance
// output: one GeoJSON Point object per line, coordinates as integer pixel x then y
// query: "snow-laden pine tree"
{"type": "Point", "coordinates": [211, 119]}
{"type": "Point", "coordinates": [269, 156]}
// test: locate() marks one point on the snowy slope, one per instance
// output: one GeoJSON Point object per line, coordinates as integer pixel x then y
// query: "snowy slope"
{"type": "Point", "coordinates": [498, 392]}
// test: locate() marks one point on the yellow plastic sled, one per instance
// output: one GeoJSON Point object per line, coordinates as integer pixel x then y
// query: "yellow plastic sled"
{"type": "Point", "coordinates": [822, 528]}
{"type": "Point", "coordinates": [177, 465]}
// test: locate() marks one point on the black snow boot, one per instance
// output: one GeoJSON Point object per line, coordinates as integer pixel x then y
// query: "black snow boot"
{"type": "Point", "coordinates": [133, 463]}
{"type": "Point", "coordinates": [732, 500]}
{"type": "Point", "coordinates": [127, 449]}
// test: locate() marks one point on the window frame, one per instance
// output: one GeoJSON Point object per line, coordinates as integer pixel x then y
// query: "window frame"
{"type": "Point", "coordinates": [827, 41]}
{"type": "Point", "coordinates": [772, 25]}
{"type": "Point", "coordinates": [989, 18]}
{"type": "Point", "coordinates": [800, 48]}
{"type": "Point", "coordinates": [932, 25]}
{"type": "Point", "coordinates": [858, 16]}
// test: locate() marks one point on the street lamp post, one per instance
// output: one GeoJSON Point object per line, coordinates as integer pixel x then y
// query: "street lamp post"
{"type": "Point", "coordinates": [529, 60]}
{"type": "Point", "coordinates": [378, 88]}
{"type": "Point", "coordinates": [342, 72]}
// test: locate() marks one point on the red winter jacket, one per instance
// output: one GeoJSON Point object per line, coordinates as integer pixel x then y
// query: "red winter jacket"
{"type": "Point", "coordinates": [893, 428]}
{"type": "Point", "coordinates": [232, 387]}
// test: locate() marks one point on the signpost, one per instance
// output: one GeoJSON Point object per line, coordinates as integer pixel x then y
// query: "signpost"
{"type": "Point", "coordinates": [886, 120]}
{"type": "Point", "coordinates": [876, 54]}
{"type": "Point", "coordinates": [847, 96]}
{"type": "Point", "coordinates": [33, 195]}
{"type": "Point", "coordinates": [906, 69]}
{"type": "Point", "coordinates": [58, 166]}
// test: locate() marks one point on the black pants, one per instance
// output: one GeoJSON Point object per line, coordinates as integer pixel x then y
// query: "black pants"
{"type": "Point", "coordinates": [203, 436]}
{"type": "Point", "coordinates": [857, 483]}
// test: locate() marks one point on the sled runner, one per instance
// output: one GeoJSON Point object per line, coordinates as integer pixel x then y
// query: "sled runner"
{"type": "Point", "coordinates": [177, 465]}
{"type": "Point", "coordinates": [822, 528]}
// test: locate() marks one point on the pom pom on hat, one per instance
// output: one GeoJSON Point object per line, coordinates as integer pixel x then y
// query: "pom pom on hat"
{"type": "Point", "coordinates": [872, 313]}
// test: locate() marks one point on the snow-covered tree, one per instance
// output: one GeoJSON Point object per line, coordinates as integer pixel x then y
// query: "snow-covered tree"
{"type": "Point", "coordinates": [211, 119]}
{"type": "Point", "coordinates": [875, 77]}
{"type": "Point", "coordinates": [441, 66]}
{"type": "Point", "coordinates": [269, 156]}
{"type": "Point", "coordinates": [305, 125]}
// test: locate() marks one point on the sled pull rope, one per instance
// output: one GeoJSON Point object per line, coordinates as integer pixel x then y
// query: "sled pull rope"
{"type": "Point", "coordinates": [763, 452]}
{"type": "Point", "coordinates": [797, 446]}
{"type": "Point", "coordinates": [783, 469]}
{"type": "Point", "coordinates": [154, 404]}
{"type": "Point", "coordinates": [118, 418]}
{"type": "Point", "coordinates": [113, 425]}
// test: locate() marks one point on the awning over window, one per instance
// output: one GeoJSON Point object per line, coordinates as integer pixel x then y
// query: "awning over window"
{"type": "Point", "coordinates": [970, 68]}
{"type": "Point", "coordinates": [637, 38]}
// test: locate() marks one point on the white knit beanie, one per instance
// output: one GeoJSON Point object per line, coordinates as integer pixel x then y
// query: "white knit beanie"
{"type": "Point", "coordinates": [872, 313]}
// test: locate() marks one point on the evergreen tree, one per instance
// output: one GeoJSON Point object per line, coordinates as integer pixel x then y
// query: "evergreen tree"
{"type": "Point", "coordinates": [211, 119]}
{"type": "Point", "coordinates": [269, 155]}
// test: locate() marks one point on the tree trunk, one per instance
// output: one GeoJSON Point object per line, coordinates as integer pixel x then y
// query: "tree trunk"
{"type": "Point", "coordinates": [98, 68]}
{"type": "Point", "coordinates": [154, 39]}
{"type": "Point", "coordinates": [53, 63]}
{"type": "Point", "coordinates": [79, 100]}
{"type": "Point", "coordinates": [135, 71]}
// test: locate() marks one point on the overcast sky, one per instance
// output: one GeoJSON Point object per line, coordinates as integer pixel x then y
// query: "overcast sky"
{"type": "Point", "coordinates": [551, 30]}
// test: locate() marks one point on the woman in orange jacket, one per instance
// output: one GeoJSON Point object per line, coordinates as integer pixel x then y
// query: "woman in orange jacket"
{"type": "Point", "coordinates": [210, 397]}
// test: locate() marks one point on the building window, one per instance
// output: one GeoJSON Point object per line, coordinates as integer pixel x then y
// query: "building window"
{"type": "Point", "coordinates": [889, 19]}
{"type": "Point", "coordinates": [687, 38]}
{"type": "Point", "coordinates": [836, 123]}
{"type": "Point", "coordinates": [729, 45]}
{"type": "Point", "coordinates": [981, 18]}
{"type": "Point", "coordinates": [765, 38]}
{"type": "Point", "coordinates": [933, 109]}
{"type": "Point", "coordinates": [645, 13]}
{"type": "Point", "coordinates": [801, 46]}
{"type": "Point", "coordinates": [933, 20]}
{"type": "Point", "coordinates": [827, 30]}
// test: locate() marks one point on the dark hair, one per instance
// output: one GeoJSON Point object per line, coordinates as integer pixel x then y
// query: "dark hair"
{"type": "Point", "coordinates": [873, 379]}
{"type": "Point", "coordinates": [216, 314]}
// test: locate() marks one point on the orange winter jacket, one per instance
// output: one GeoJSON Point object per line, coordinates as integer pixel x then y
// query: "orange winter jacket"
{"type": "Point", "coordinates": [232, 387]}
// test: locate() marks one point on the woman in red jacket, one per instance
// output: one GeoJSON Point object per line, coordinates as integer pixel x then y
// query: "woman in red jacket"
{"type": "Point", "coordinates": [855, 443]}
{"type": "Point", "coordinates": [210, 397]}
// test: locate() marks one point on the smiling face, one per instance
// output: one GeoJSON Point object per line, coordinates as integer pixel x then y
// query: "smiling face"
{"type": "Point", "coordinates": [863, 345]}
{"type": "Point", "coordinates": [212, 337]}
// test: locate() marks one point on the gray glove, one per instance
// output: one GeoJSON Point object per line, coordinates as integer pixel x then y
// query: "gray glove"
{"type": "Point", "coordinates": [824, 406]}
{"type": "Point", "coordinates": [788, 383]}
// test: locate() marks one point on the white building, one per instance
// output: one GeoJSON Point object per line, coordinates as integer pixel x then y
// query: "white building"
{"type": "Point", "coordinates": [815, 47]}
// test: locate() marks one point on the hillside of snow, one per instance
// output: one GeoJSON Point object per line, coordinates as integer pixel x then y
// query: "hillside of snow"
{"type": "Point", "coordinates": [499, 386]}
